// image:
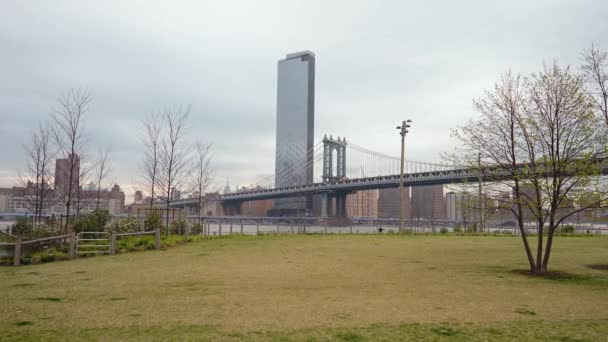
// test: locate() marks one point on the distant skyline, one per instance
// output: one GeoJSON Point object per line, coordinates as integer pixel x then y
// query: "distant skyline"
{"type": "Point", "coordinates": [377, 63]}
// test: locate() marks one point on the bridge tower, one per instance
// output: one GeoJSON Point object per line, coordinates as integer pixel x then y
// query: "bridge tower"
{"type": "Point", "coordinates": [329, 146]}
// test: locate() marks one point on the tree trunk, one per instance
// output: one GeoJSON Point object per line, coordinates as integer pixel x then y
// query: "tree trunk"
{"type": "Point", "coordinates": [549, 244]}
{"type": "Point", "coordinates": [520, 222]}
{"type": "Point", "coordinates": [539, 248]}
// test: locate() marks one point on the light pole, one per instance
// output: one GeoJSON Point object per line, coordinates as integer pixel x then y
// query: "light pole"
{"type": "Point", "coordinates": [403, 131]}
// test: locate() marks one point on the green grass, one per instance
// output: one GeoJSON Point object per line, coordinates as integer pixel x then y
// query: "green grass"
{"type": "Point", "coordinates": [314, 288]}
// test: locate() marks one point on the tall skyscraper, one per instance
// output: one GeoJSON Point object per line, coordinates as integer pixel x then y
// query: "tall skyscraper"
{"type": "Point", "coordinates": [295, 125]}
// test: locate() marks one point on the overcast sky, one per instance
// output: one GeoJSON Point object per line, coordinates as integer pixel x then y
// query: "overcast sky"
{"type": "Point", "coordinates": [378, 62]}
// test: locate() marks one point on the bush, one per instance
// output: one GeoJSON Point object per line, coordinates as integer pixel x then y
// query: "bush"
{"type": "Point", "coordinates": [458, 228]}
{"type": "Point", "coordinates": [153, 221]}
{"type": "Point", "coordinates": [196, 228]}
{"type": "Point", "coordinates": [568, 229]}
{"type": "Point", "coordinates": [22, 227]}
{"type": "Point", "coordinates": [178, 226]}
{"type": "Point", "coordinates": [46, 255]}
{"type": "Point", "coordinates": [125, 225]}
{"type": "Point", "coordinates": [443, 230]}
{"type": "Point", "coordinates": [94, 221]}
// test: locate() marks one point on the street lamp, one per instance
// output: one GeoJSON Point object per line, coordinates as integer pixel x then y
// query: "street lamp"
{"type": "Point", "coordinates": [403, 131]}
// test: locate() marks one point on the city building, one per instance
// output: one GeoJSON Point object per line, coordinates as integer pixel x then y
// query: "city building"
{"type": "Point", "coordinates": [257, 208]}
{"type": "Point", "coordinates": [362, 203]}
{"type": "Point", "coordinates": [388, 203]}
{"type": "Point", "coordinates": [84, 200]}
{"type": "Point", "coordinates": [428, 202]}
{"type": "Point", "coordinates": [15, 200]}
{"type": "Point", "coordinates": [211, 206]}
{"type": "Point", "coordinates": [295, 128]}
{"type": "Point", "coordinates": [139, 197]}
{"type": "Point", "coordinates": [62, 173]}
{"type": "Point", "coordinates": [457, 206]}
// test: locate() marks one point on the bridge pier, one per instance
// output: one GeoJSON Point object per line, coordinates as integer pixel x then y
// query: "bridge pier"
{"type": "Point", "coordinates": [231, 208]}
{"type": "Point", "coordinates": [334, 205]}
{"type": "Point", "coordinates": [341, 205]}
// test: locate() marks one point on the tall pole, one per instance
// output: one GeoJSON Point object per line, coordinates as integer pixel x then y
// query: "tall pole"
{"type": "Point", "coordinates": [403, 131]}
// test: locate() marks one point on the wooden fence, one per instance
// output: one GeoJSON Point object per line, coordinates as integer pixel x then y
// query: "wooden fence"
{"type": "Point", "coordinates": [17, 246]}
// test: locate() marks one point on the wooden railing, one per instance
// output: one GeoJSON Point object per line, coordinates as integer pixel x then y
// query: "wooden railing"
{"type": "Point", "coordinates": [17, 245]}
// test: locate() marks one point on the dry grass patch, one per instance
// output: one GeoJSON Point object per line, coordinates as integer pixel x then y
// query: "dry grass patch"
{"type": "Point", "coordinates": [293, 283]}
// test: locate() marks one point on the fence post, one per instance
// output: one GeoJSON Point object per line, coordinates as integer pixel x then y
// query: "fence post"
{"type": "Point", "coordinates": [241, 226]}
{"type": "Point", "coordinates": [325, 226]}
{"type": "Point", "coordinates": [220, 229]}
{"type": "Point", "coordinates": [113, 243]}
{"type": "Point", "coordinates": [278, 223]}
{"type": "Point", "coordinates": [187, 233]}
{"type": "Point", "coordinates": [230, 227]}
{"type": "Point", "coordinates": [72, 243]}
{"type": "Point", "coordinates": [257, 229]}
{"type": "Point", "coordinates": [17, 255]}
{"type": "Point", "coordinates": [157, 238]}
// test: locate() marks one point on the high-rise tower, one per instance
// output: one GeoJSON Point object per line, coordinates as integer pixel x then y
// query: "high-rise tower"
{"type": "Point", "coordinates": [295, 125]}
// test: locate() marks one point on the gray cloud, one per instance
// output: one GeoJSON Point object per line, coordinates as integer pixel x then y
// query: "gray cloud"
{"type": "Point", "coordinates": [377, 64]}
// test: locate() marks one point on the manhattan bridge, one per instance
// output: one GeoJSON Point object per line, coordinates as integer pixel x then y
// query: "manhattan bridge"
{"type": "Point", "coordinates": [340, 168]}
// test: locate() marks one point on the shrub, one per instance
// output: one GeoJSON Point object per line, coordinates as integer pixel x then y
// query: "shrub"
{"type": "Point", "coordinates": [568, 229]}
{"type": "Point", "coordinates": [22, 227]}
{"type": "Point", "coordinates": [94, 221]}
{"type": "Point", "coordinates": [46, 255]}
{"type": "Point", "coordinates": [124, 245]}
{"type": "Point", "coordinates": [153, 221]}
{"type": "Point", "coordinates": [443, 230]}
{"type": "Point", "coordinates": [178, 226]}
{"type": "Point", "coordinates": [135, 243]}
{"type": "Point", "coordinates": [125, 225]}
{"type": "Point", "coordinates": [50, 228]}
{"type": "Point", "coordinates": [458, 228]}
{"type": "Point", "coordinates": [196, 228]}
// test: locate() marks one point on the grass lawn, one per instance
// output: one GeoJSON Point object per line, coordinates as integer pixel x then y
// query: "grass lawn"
{"type": "Point", "coordinates": [314, 288]}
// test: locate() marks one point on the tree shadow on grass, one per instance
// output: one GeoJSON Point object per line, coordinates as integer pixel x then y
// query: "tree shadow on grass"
{"type": "Point", "coordinates": [555, 275]}
{"type": "Point", "coordinates": [601, 267]}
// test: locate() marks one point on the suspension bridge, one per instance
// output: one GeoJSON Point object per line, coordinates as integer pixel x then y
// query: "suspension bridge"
{"type": "Point", "coordinates": [334, 178]}
{"type": "Point", "coordinates": [339, 168]}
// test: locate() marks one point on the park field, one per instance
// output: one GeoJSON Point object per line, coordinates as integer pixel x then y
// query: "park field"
{"type": "Point", "coordinates": [314, 288]}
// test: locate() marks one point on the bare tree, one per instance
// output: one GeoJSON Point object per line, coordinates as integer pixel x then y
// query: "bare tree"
{"type": "Point", "coordinates": [570, 140]}
{"type": "Point", "coordinates": [83, 197]}
{"type": "Point", "coordinates": [202, 175]}
{"type": "Point", "coordinates": [543, 134]}
{"type": "Point", "coordinates": [68, 132]}
{"type": "Point", "coordinates": [595, 70]}
{"type": "Point", "coordinates": [35, 182]}
{"type": "Point", "coordinates": [495, 138]}
{"type": "Point", "coordinates": [102, 170]}
{"type": "Point", "coordinates": [173, 159]}
{"type": "Point", "coordinates": [153, 125]}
